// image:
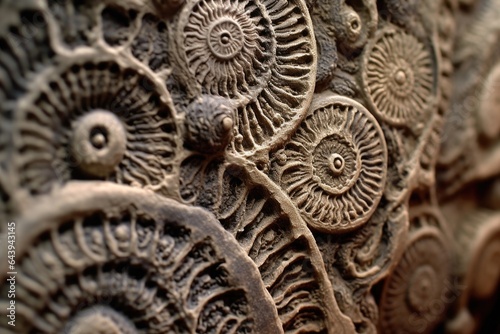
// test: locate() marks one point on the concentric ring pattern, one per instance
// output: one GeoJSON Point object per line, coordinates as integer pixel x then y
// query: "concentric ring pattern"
{"type": "Point", "coordinates": [261, 54]}
{"type": "Point", "coordinates": [95, 119]}
{"type": "Point", "coordinates": [334, 167]}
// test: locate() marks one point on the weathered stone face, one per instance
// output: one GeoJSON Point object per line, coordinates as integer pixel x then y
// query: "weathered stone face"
{"type": "Point", "coordinates": [249, 166]}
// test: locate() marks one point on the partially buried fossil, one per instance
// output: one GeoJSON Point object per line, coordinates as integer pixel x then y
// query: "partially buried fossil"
{"type": "Point", "coordinates": [209, 123]}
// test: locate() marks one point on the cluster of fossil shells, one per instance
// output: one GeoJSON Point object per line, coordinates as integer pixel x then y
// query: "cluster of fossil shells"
{"type": "Point", "coordinates": [250, 166]}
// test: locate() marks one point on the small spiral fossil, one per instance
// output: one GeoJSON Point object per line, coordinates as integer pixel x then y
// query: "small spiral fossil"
{"type": "Point", "coordinates": [412, 299]}
{"type": "Point", "coordinates": [399, 77]}
{"type": "Point", "coordinates": [334, 167]}
{"type": "Point", "coordinates": [98, 142]}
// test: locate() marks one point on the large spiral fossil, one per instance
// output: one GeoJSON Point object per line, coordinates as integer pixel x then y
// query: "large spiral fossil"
{"type": "Point", "coordinates": [104, 258]}
{"type": "Point", "coordinates": [334, 168]}
{"type": "Point", "coordinates": [98, 119]}
{"type": "Point", "coordinates": [25, 50]}
{"type": "Point", "coordinates": [399, 77]}
{"type": "Point", "coordinates": [261, 54]}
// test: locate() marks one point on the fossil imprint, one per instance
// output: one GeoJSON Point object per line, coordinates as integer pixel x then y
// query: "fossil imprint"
{"type": "Point", "coordinates": [249, 166]}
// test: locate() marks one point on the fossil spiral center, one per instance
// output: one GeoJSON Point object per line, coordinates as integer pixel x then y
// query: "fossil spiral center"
{"type": "Point", "coordinates": [98, 137]}
{"type": "Point", "coordinates": [100, 320]}
{"type": "Point", "coordinates": [400, 77]}
{"type": "Point", "coordinates": [422, 287]}
{"type": "Point", "coordinates": [337, 164]}
{"type": "Point", "coordinates": [98, 143]}
{"type": "Point", "coordinates": [225, 38]}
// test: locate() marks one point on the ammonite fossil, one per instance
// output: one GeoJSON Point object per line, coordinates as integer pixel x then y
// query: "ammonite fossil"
{"type": "Point", "coordinates": [260, 54]}
{"type": "Point", "coordinates": [399, 77]}
{"type": "Point", "coordinates": [414, 296]}
{"type": "Point", "coordinates": [334, 167]}
{"type": "Point", "coordinates": [95, 118]}
{"type": "Point", "coordinates": [341, 33]}
{"type": "Point", "coordinates": [354, 25]}
{"type": "Point", "coordinates": [270, 230]}
{"type": "Point", "coordinates": [114, 259]}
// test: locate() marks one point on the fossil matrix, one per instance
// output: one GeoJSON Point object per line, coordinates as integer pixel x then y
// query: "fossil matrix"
{"type": "Point", "coordinates": [249, 166]}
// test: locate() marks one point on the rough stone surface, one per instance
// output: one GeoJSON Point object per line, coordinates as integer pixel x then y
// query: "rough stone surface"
{"type": "Point", "coordinates": [250, 166]}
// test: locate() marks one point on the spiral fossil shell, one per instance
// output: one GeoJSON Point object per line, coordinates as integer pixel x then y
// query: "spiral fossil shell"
{"type": "Point", "coordinates": [260, 54]}
{"type": "Point", "coordinates": [399, 77]}
{"type": "Point", "coordinates": [334, 167]}
{"type": "Point", "coordinates": [124, 260]}
{"type": "Point", "coordinates": [412, 300]}
{"type": "Point", "coordinates": [95, 119]}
